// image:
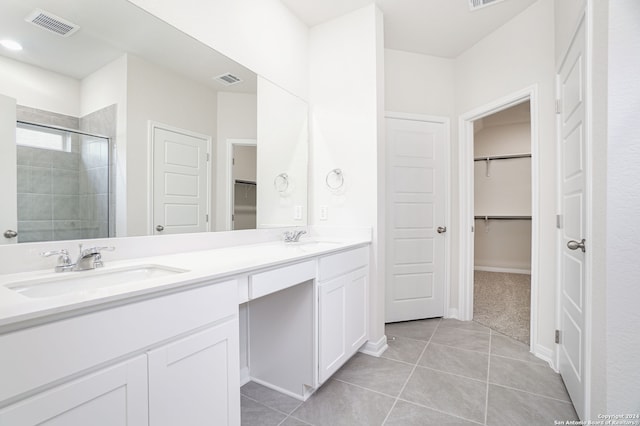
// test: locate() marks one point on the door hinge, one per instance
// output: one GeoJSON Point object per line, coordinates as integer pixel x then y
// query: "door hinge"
{"type": "Point", "coordinates": [208, 157]}
{"type": "Point", "coordinates": [206, 218]}
{"type": "Point", "coordinates": [473, 228]}
{"type": "Point", "coordinates": [559, 221]}
{"type": "Point", "coordinates": [558, 106]}
{"type": "Point", "coordinates": [233, 161]}
{"type": "Point", "coordinates": [233, 217]}
{"type": "Point", "coordinates": [557, 336]}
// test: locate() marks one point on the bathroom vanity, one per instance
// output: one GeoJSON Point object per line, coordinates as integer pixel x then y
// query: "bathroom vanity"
{"type": "Point", "coordinates": [170, 339]}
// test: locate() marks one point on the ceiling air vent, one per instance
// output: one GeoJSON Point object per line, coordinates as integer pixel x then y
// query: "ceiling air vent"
{"type": "Point", "coordinates": [478, 4]}
{"type": "Point", "coordinates": [227, 79]}
{"type": "Point", "coordinates": [51, 22]}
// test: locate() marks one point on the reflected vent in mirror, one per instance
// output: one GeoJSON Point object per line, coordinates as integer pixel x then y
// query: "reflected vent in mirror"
{"type": "Point", "coordinates": [478, 4]}
{"type": "Point", "coordinates": [51, 22]}
{"type": "Point", "coordinates": [227, 79]}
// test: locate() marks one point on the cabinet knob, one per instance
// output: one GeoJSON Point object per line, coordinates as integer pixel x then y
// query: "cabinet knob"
{"type": "Point", "coordinates": [442, 229]}
{"type": "Point", "coordinates": [9, 233]}
{"type": "Point", "coordinates": [159, 228]}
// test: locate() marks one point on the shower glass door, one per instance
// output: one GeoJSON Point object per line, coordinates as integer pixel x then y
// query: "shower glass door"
{"type": "Point", "coordinates": [63, 189]}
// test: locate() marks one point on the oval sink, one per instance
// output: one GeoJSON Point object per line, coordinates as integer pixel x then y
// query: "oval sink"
{"type": "Point", "coordinates": [87, 281]}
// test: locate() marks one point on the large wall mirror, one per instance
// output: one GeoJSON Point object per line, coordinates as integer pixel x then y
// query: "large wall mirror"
{"type": "Point", "coordinates": [114, 123]}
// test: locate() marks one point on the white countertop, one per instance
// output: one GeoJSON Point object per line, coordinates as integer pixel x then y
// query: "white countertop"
{"type": "Point", "coordinates": [17, 310]}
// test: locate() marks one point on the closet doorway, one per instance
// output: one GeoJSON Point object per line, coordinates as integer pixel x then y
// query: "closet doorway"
{"type": "Point", "coordinates": [499, 205]}
{"type": "Point", "coordinates": [502, 221]}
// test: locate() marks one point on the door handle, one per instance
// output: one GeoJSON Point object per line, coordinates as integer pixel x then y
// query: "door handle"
{"type": "Point", "coordinates": [159, 228]}
{"type": "Point", "coordinates": [574, 245]}
{"type": "Point", "coordinates": [9, 233]}
{"type": "Point", "coordinates": [442, 229]}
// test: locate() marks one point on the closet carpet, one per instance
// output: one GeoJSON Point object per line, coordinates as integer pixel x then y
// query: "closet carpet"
{"type": "Point", "coordinates": [502, 302]}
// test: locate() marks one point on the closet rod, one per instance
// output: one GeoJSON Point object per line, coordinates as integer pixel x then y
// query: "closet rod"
{"type": "Point", "coordinates": [503, 217]}
{"type": "Point", "coordinates": [502, 157]}
{"type": "Point", "coordinates": [245, 182]}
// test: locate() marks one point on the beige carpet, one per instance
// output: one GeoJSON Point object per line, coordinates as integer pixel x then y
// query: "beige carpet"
{"type": "Point", "coordinates": [503, 302]}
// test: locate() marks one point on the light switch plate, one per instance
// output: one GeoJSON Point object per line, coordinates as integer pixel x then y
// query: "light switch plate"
{"type": "Point", "coordinates": [324, 212]}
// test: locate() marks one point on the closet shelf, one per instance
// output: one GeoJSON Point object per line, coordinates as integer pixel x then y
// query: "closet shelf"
{"type": "Point", "coordinates": [503, 217]}
{"type": "Point", "coordinates": [502, 157]}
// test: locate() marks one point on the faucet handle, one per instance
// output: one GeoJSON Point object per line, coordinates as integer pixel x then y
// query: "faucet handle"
{"type": "Point", "coordinates": [61, 252]}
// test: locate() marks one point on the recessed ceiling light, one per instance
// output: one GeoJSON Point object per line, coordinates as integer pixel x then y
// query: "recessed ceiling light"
{"type": "Point", "coordinates": [11, 45]}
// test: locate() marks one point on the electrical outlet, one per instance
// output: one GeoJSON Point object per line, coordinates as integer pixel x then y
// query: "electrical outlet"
{"type": "Point", "coordinates": [324, 212]}
{"type": "Point", "coordinates": [297, 213]}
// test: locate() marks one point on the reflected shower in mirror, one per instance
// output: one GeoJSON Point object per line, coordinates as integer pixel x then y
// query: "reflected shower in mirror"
{"type": "Point", "coordinates": [63, 184]}
{"type": "Point", "coordinates": [122, 73]}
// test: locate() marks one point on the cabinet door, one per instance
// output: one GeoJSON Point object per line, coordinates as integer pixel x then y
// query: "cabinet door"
{"type": "Point", "coordinates": [196, 380]}
{"type": "Point", "coordinates": [342, 320]}
{"type": "Point", "coordinates": [332, 305]}
{"type": "Point", "coordinates": [110, 397]}
{"type": "Point", "coordinates": [356, 312]}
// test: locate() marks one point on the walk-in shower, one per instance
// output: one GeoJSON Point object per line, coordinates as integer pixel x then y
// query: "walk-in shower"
{"type": "Point", "coordinates": [63, 186]}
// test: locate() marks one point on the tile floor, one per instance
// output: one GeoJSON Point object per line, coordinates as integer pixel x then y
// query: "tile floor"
{"type": "Point", "coordinates": [435, 372]}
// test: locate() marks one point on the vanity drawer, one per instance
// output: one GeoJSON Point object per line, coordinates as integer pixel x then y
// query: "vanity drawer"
{"type": "Point", "coordinates": [44, 354]}
{"type": "Point", "coordinates": [339, 264]}
{"type": "Point", "coordinates": [269, 282]}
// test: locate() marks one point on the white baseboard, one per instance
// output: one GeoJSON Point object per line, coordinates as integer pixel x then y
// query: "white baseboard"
{"type": "Point", "coordinates": [375, 348]}
{"type": "Point", "coordinates": [452, 313]}
{"type": "Point", "coordinates": [505, 270]}
{"type": "Point", "coordinates": [244, 376]}
{"type": "Point", "coordinates": [547, 355]}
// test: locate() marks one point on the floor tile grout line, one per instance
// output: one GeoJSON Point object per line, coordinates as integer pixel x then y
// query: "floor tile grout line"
{"type": "Point", "coordinates": [395, 402]}
{"type": "Point", "coordinates": [453, 374]}
{"type": "Point", "coordinates": [363, 388]}
{"type": "Point", "coordinates": [531, 393]}
{"type": "Point", "coordinates": [486, 404]}
{"type": "Point", "coordinates": [542, 362]}
{"type": "Point", "coordinates": [270, 408]}
{"type": "Point", "coordinates": [463, 349]}
{"type": "Point", "coordinates": [439, 411]}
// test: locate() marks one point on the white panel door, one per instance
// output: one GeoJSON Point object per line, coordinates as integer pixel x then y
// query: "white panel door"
{"type": "Point", "coordinates": [111, 397]}
{"type": "Point", "coordinates": [180, 182]}
{"type": "Point", "coordinates": [416, 199]}
{"type": "Point", "coordinates": [8, 188]}
{"type": "Point", "coordinates": [573, 207]}
{"type": "Point", "coordinates": [196, 381]}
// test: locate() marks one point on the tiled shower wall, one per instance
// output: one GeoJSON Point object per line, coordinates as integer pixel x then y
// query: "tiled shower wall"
{"type": "Point", "coordinates": [63, 195]}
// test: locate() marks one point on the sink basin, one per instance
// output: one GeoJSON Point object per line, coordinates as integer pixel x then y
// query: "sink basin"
{"type": "Point", "coordinates": [89, 281]}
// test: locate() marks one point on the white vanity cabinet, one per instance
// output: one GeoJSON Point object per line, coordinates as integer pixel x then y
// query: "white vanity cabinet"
{"type": "Point", "coordinates": [192, 380]}
{"type": "Point", "coordinates": [342, 305]}
{"type": "Point", "coordinates": [113, 396]}
{"type": "Point", "coordinates": [166, 360]}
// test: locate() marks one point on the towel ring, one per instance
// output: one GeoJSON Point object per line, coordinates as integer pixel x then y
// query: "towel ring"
{"type": "Point", "coordinates": [335, 179]}
{"type": "Point", "coordinates": [281, 182]}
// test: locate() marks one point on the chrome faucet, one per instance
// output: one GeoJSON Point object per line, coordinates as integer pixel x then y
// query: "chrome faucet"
{"type": "Point", "coordinates": [90, 258]}
{"type": "Point", "coordinates": [293, 236]}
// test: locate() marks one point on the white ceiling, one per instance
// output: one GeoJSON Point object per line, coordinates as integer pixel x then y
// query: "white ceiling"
{"type": "Point", "coordinates": [443, 28]}
{"type": "Point", "coordinates": [108, 29]}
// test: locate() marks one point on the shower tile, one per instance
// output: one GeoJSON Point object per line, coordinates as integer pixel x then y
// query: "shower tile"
{"type": "Point", "coordinates": [65, 160]}
{"type": "Point", "coordinates": [40, 180]}
{"type": "Point", "coordinates": [67, 230]}
{"type": "Point", "coordinates": [34, 207]}
{"type": "Point", "coordinates": [66, 207]}
{"type": "Point", "coordinates": [65, 182]}
{"type": "Point", "coordinates": [34, 231]}
{"type": "Point", "coordinates": [23, 155]}
{"type": "Point", "coordinates": [23, 177]}
{"type": "Point", "coordinates": [41, 158]}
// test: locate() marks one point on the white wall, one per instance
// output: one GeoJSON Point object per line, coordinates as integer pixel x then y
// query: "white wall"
{"type": "Point", "coordinates": [237, 119]}
{"type": "Point", "coordinates": [262, 35]}
{"type": "Point", "coordinates": [345, 116]}
{"type": "Point", "coordinates": [36, 87]}
{"type": "Point", "coordinates": [105, 87]}
{"type": "Point", "coordinates": [282, 148]}
{"type": "Point", "coordinates": [162, 96]}
{"type": "Point", "coordinates": [518, 55]}
{"type": "Point", "coordinates": [418, 84]}
{"type": "Point", "coordinates": [623, 210]}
